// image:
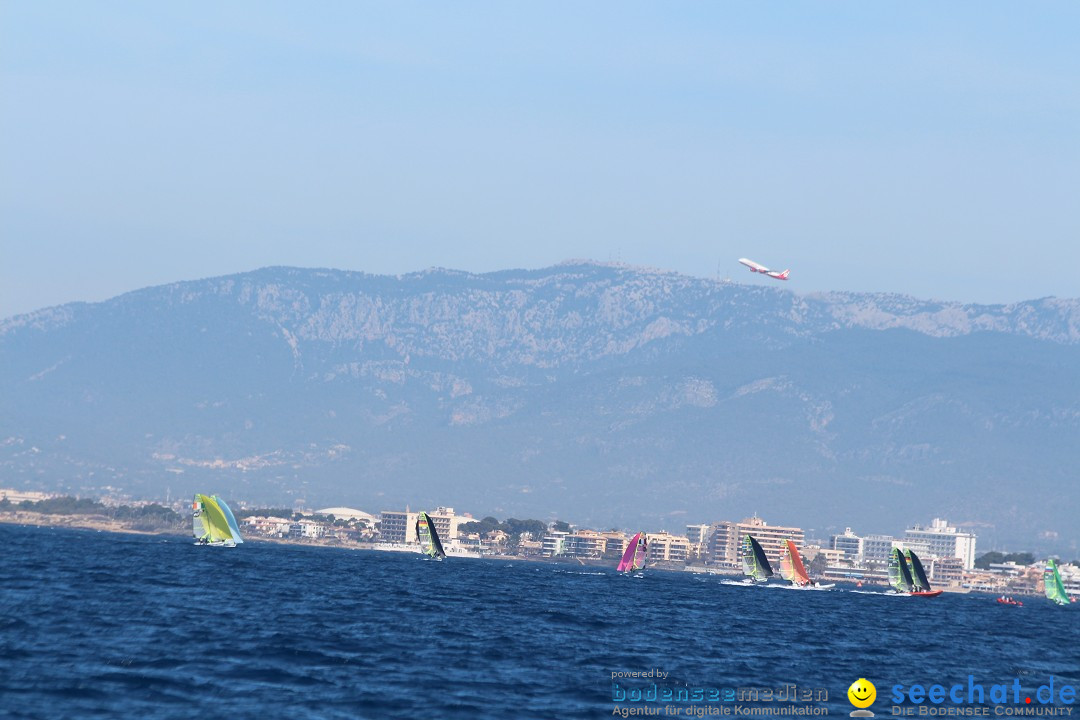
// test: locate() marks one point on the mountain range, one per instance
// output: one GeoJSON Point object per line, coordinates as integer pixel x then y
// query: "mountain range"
{"type": "Point", "coordinates": [601, 394]}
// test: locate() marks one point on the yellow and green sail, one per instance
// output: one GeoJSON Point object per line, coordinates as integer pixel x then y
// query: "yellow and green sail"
{"type": "Point", "coordinates": [208, 522]}
{"type": "Point", "coordinates": [1055, 590]}
{"type": "Point", "coordinates": [230, 518]}
{"type": "Point", "coordinates": [428, 537]}
{"type": "Point", "coordinates": [755, 564]}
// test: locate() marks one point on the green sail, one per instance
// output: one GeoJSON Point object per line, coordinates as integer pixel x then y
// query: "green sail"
{"type": "Point", "coordinates": [899, 575]}
{"type": "Point", "coordinates": [230, 518]}
{"type": "Point", "coordinates": [1052, 580]}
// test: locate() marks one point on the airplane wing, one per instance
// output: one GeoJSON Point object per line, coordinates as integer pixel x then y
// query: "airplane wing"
{"type": "Point", "coordinates": [756, 267]}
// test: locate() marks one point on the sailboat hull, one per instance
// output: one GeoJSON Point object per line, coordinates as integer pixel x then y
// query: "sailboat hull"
{"type": "Point", "coordinates": [928, 593]}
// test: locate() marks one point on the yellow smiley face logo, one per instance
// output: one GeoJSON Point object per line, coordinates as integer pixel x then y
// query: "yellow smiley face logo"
{"type": "Point", "coordinates": [862, 693]}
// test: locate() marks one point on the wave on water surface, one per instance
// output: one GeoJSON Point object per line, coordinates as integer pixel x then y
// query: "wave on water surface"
{"type": "Point", "coordinates": [101, 625]}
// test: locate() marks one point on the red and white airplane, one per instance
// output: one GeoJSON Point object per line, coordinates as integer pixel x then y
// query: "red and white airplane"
{"type": "Point", "coordinates": [754, 267]}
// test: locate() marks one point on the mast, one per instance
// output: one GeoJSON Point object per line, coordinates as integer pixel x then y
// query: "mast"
{"type": "Point", "coordinates": [422, 535]}
{"type": "Point", "coordinates": [200, 528]}
{"type": "Point", "coordinates": [643, 549]}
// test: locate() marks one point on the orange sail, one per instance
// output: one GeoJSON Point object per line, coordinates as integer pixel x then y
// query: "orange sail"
{"type": "Point", "coordinates": [791, 566]}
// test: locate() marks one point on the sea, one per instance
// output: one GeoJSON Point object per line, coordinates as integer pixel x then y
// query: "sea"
{"type": "Point", "coordinates": [101, 625]}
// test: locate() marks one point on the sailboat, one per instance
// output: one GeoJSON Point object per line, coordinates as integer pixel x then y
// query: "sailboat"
{"type": "Point", "coordinates": [755, 565]}
{"type": "Point", "coordinates": [637, 550]}
{"type": "Point", "coordinates": [233, 527]}
{"type": "Point", "coordinates": [428, 538]}
{"type": "Point", "coordinates": [209, 526]}
{"type": "Point", "coordinates": [793, 570]}
{"type": "Point", "coordinates": [1055, 591]}
{"type": "Point", "coordinates": [901, 566]}
{"type": "Point", "coordinates": [921, 584]}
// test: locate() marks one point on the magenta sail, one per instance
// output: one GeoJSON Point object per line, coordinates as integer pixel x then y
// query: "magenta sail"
{"type": "Point", "coordinates": [634, 557]}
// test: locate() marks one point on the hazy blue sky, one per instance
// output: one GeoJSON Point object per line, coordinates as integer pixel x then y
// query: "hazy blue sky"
{"type": "Point", "coordinates": [931, 149]}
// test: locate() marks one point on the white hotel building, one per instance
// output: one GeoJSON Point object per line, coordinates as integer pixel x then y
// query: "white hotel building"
{"type": "Point", "coordinates": [850, 546]}
{"type": "Point", "coordinates": [665, 547]}
{"type": "Point", "coordinates": [400, 526]}
{"type": "Point", "coordinates": [942, 541]}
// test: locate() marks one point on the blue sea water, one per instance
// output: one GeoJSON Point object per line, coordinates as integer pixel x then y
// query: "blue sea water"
{"type": "Point", "coordinates": [103, 625]}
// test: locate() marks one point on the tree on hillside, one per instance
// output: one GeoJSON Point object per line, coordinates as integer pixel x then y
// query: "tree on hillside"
{"type": "Point", "coordinates": [516, 528]}
{"type": "Point", "coordinates": [993, 557]}
{"type": "Point", "coordinates": [513, 528]}
{"type": "Point", "coordinates": [481, 526]}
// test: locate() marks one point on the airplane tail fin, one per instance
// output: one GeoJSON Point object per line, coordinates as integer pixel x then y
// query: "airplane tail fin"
{"type": "Point", "coordinates": [783, 275]}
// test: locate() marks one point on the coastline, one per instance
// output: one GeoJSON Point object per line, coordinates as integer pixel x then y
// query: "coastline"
{"type": "Point", "coordinates": [26, 518]}
{"type": "Point", "coordinates": [101, 523]}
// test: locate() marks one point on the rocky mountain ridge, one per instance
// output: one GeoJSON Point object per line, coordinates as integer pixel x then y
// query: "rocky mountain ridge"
{"type": "Point", "coordinates": [598, 393]}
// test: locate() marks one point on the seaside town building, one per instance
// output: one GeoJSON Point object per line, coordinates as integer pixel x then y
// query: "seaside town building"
{"type": "Point", "coordinates": [307, 529]}
{"type": "Point", "coordinates": [940, 540]}
{"type": "Point", "coordinates": [593, 544]}
{"type": "Point", "coordinates": [344, 513]}
{"type": "Point", "coordinates": [616, 543]}
{"type": "Point", "coordinates": [726, 542]}
{"type": "Point", "coordinates": [490, 542]}
{"type": "Point", "coordinates": [400, 527]}
{"type": "Point", "coordinates": [698, 535]}
{"type": "Point", "coordinates": [397, 527]}
{"type": "Point", "coordinates": [810, 553]}
{"type": "Point", "coordinates": [1070, 578]}
{"type": "Point", "coordinates": [17, 496]}
{"type": "Point", "coordinates": [553, 543]}
{"type": "Point", "coordinates": [665, 547]}
{"type": "Point", "coordinates": [584, 544]}
{"type": "Point", "coordinates": [850, 546]}
{"type": "Point", "coordinates": [876, 549]}
{"type": "Point", "coordinates": [269, 526]}
{"type": "Point", "coordinates": [529, 548]}
{"type": "Point", "coordinates": [947, 571]}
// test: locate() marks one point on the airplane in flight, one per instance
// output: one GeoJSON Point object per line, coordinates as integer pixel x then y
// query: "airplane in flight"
{"type": "Point", "coordinates": [754, 267]}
